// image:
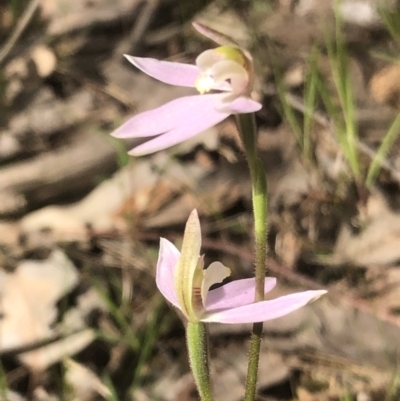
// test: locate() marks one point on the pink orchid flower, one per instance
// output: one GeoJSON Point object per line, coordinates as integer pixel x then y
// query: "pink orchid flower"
{"type": "Point", "coordinates": [226, 69]}
{"type": "Point", "coordinates": [183, 282]}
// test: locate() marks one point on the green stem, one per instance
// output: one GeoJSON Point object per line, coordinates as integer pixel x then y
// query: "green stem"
{"type": "Point", "coordinates": [248, 132]}
{"type": "Point", "coordinates": [197, 343]}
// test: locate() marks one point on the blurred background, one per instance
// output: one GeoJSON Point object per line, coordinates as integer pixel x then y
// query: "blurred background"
{"type": "Point", "coordinates": [80, 220]}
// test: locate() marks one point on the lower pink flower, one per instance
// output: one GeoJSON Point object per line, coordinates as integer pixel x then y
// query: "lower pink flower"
{"type": "Point", "coordinates": [183, 282]}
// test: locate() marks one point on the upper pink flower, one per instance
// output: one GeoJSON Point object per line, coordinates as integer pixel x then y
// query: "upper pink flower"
{"type": "Point", "coordinates": [183, 282]}
{"type": "Point", "coordinates": [226, 69]}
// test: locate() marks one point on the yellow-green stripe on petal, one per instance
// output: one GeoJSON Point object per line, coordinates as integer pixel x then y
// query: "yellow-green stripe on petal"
{"type": "Point", "coordinates": [188, 265]}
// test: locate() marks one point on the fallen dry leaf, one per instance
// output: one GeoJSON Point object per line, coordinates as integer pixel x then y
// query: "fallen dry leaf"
{"type": "Point", "coordinates": [45, 60]}
{"type": "Point", "coordinates": [378, 241]}
{"type": "Point", "coordinates": [41, 358]}
{"type": "Point", "coordinates": [28, 297]}
{"type": "Point", "coordinates": [83, 382]}
{"type": "Point", "coordinates": [63, 16]}
{"type": "Point", "coordinates": [124, 195]}
{"type": "Point", "coordinates": [385, 85]}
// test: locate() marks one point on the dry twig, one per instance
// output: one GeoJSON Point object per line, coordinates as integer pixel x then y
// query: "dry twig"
{"type": "Point", "coordinates": [19, 29]}
{"type": "Point", "coordinates": [140, 27]}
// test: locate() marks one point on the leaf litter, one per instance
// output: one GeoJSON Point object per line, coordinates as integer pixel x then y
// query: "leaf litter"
{"type": "Point", "coordinates": [64, 297]}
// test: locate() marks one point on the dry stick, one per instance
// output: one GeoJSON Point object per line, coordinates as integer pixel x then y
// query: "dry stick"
{"type": "Point", "coordinates": [323, 120]}
{"type": "Point", "coordinates": [109, 89]}
{"type": "Point", "coordinates": [139, 28]}
{"type": "Point", "coordinates": [19, 29]}
{"type": "Point", "coordinates": [58, 170]}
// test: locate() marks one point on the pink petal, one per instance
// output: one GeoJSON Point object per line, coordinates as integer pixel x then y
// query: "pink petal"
{"type": "Point", "coordinates": [194, 120]}
{"type": "Point", "coordinates": [265, 310]}
{"type": "Point", "coordinates": [167, 260]}
{"type": "Point", "coordinates": [164, 118]}
{"type": "Point", "coordinates": [172, 73]}
{"type": "Point", "coordinates": [236, 293]}
{"type": "Point", "coordinates": [241, 105]}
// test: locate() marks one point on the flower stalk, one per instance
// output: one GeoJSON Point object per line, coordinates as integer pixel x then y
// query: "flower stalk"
{"type": "Point", "coordinates": [197, 344]}
{"type": "Point", "coordinates": [248, 133]}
